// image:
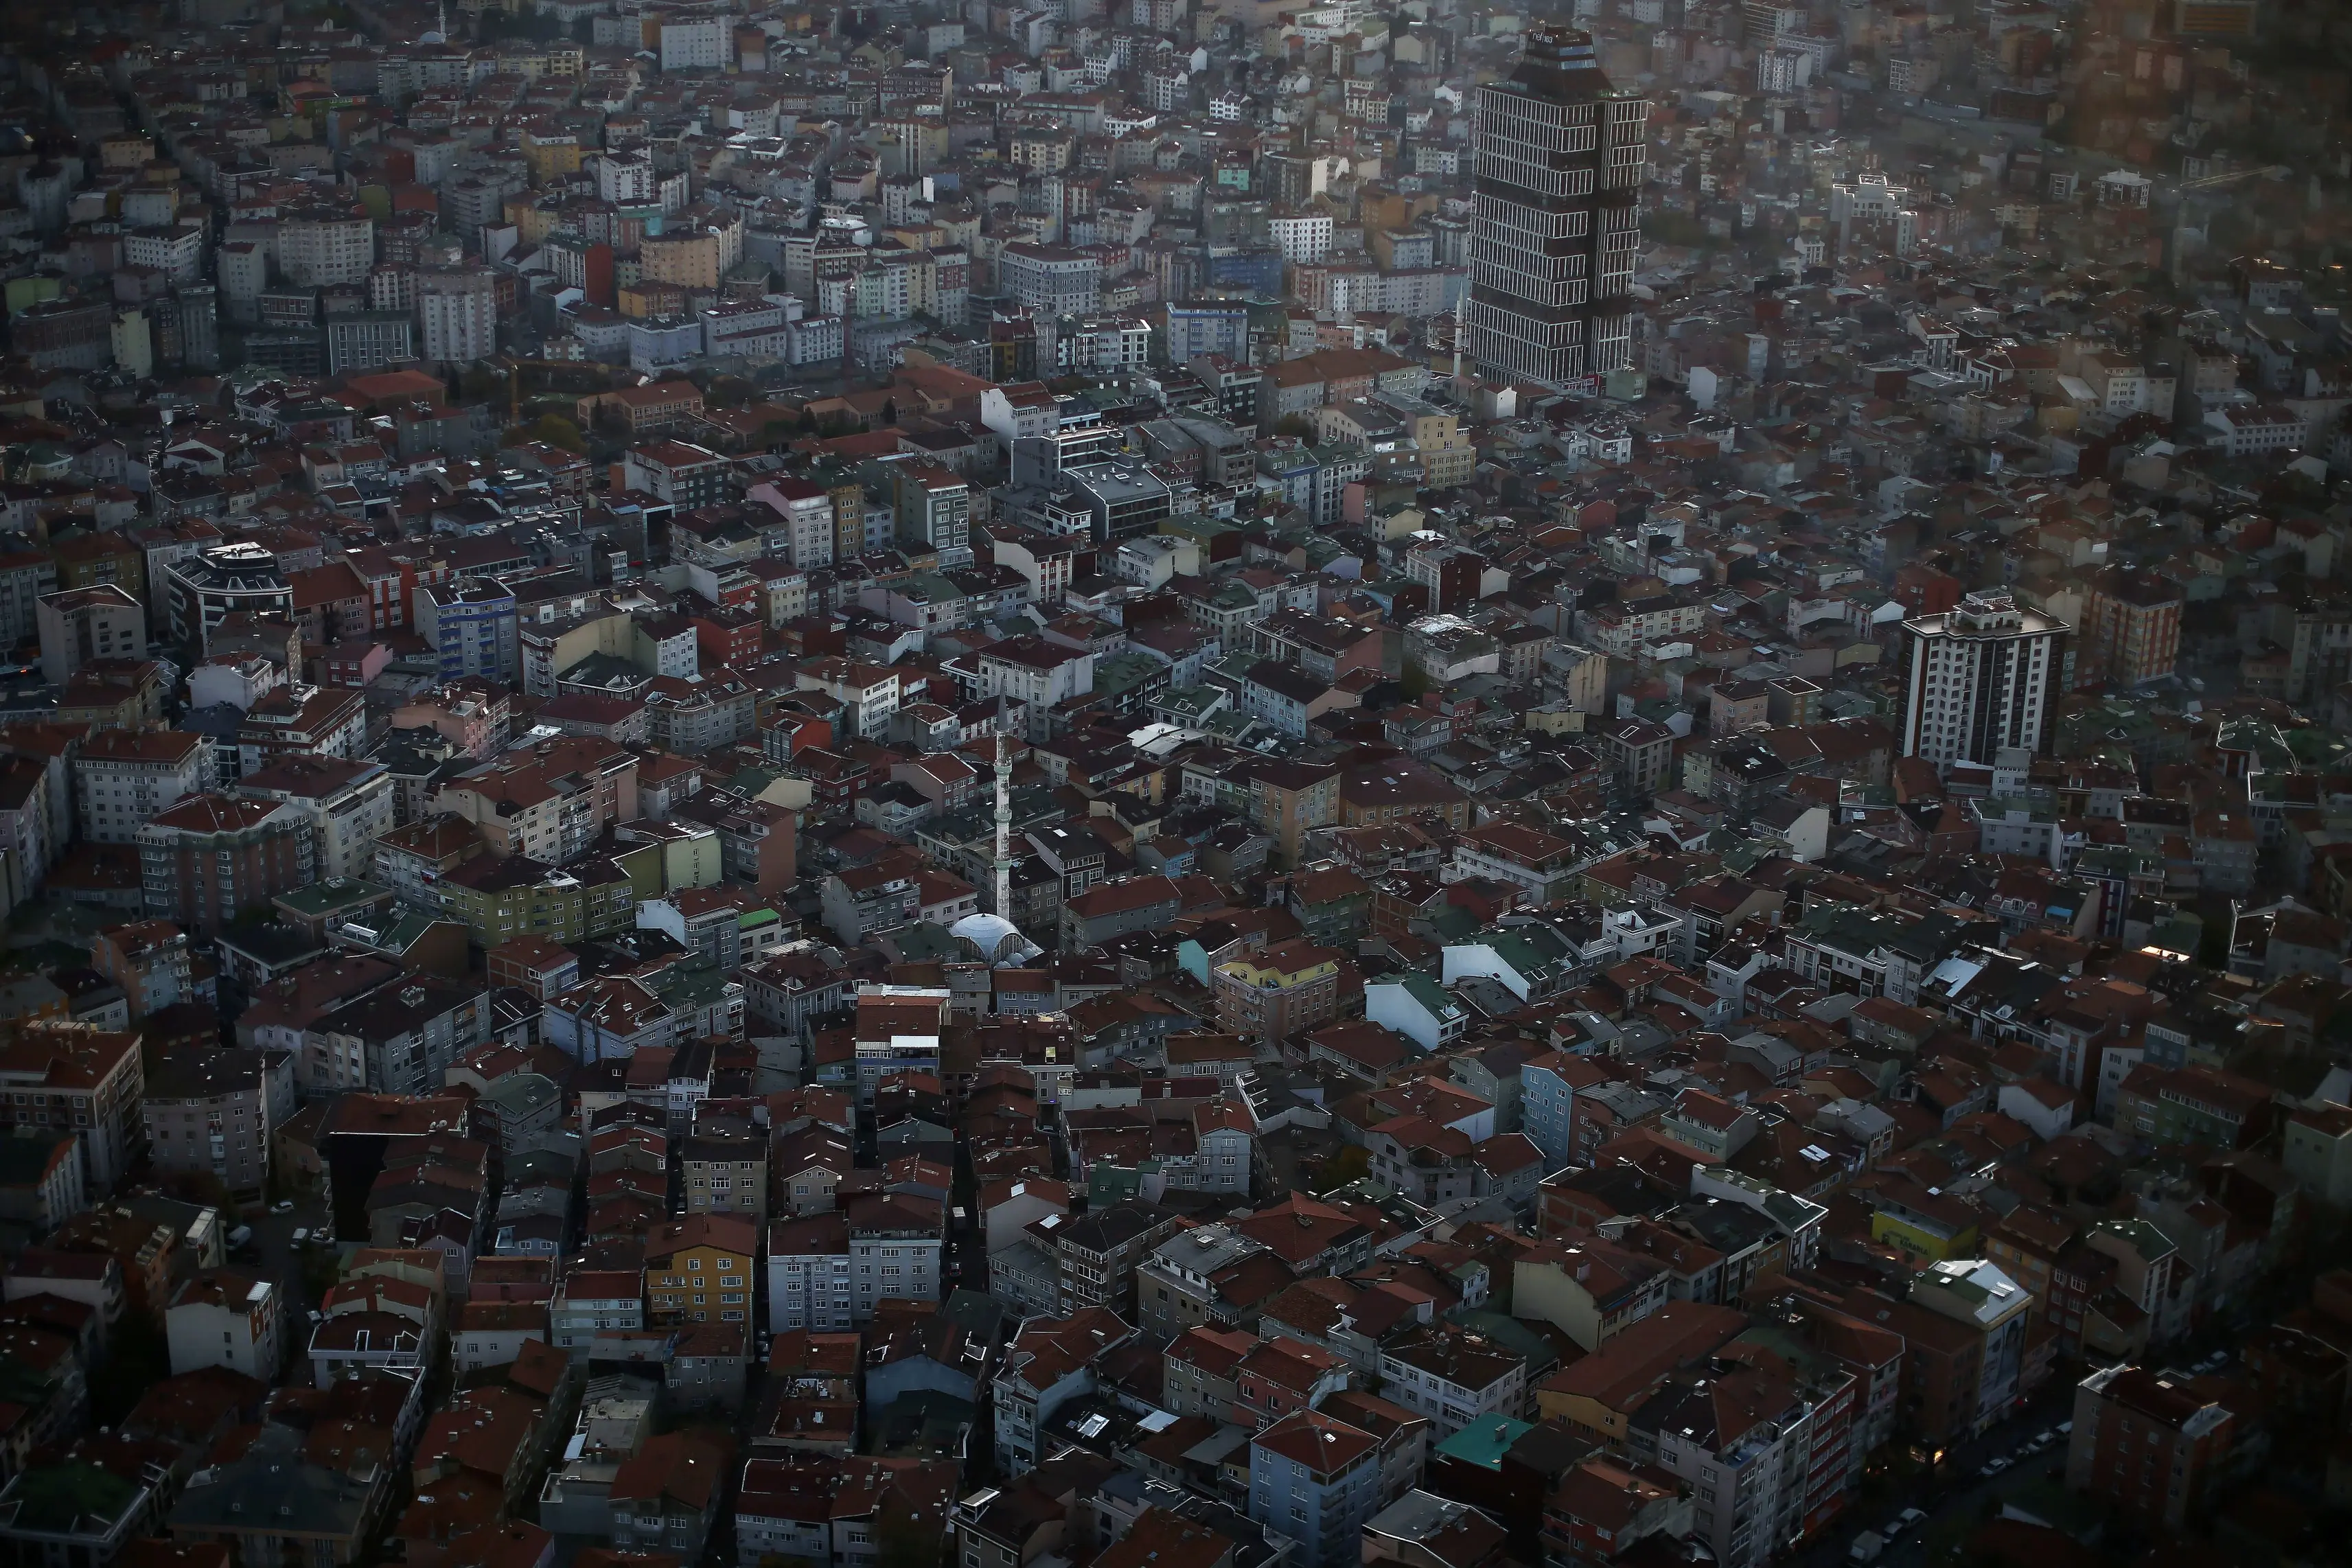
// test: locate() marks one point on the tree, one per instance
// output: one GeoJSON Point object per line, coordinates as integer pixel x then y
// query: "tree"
{"type": "Point", "coordinates": [557, 431]}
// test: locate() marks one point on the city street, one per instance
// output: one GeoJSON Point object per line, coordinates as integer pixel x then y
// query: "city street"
{"type": "Point", "coordinates": [275, 1257]}
{"type": "Point", "coordinates": [1954, 1496]}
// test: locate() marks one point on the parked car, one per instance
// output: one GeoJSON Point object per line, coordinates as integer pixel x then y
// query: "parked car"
{"type": "Point", "coordinates": [301, 1236]}
{"type": "Point", "coordinates": [240, 1236]}
{"type": "Point", "coordinates": [1866, 1547]}
{"type": "Point", "coordinates": [1998, 1463]}
{"type": "Point", "coordinates": [283, 1205]}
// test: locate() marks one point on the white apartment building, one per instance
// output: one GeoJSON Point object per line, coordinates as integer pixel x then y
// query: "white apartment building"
{"type": "Point", "coordinates": [1453, 1378]}
{"type": "Point", "coordinates": [457, 309]}
{"type": "Point", "coordinates": [1977, 680]}
{"type": "Point", "coordinates": [705, 43]}
{"type": "Point", "coordinates": [1035, 671]}
{"type": "Point", "coordinates": [348, 804]}
{"type": "Point", "coordinates": [806, 513]}
{"type": "Point", "coordinates": [223, 1318]}
{"type": "Point", "coordinates": [320, 248]}
{"type": "Point", "coordinates": [124, 777]}
{"type": "Point", "coordinates": [1050, 277]}
{"type": "Point", "coordinates": [1105, 345]}
{"type": "Point", "coordinates": [626, 179]}
{"type": "Point", "coordinates": [177, 253]}
{"type": "Point", "coordinates": [1303, 238]}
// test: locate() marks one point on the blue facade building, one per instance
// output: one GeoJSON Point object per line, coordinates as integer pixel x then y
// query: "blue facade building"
{"type": "Point", "coordinates": [471, 625]}
{"type": "Point", "coordinates": [1317, 1480]}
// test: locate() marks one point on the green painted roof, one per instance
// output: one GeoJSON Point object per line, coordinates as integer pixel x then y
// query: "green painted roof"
{"type": "Point", "coordinates": [1438, 1001]}
{"type": "Point", "coordinates": [1484, 1441]}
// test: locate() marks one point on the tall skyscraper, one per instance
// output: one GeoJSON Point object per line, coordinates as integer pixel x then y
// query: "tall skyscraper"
{"type": "Point", "coordinates": [1558, 225]}
{"type": "Point", "coordinates": [1977, 680]}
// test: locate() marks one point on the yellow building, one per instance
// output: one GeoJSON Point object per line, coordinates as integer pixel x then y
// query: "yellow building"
{"type": "Point", "coordinates": [551, 157]}
{"type": "Point", "coordinates": [698, 1270]}
{"type": "Point", "coordinates": [1924, 1226]}
{"type": "Point", "coordinates": [690, 260]}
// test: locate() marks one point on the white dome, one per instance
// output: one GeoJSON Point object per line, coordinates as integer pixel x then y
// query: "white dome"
{"type": "Point", "coordinates": [989, 934]}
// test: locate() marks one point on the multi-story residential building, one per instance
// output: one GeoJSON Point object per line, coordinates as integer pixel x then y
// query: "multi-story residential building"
{"type": "Point", "coordinates": [593, 1302]}
{"type": "Point", "coordinates": [319, 246]}
{"type": "Point", "coordinates": [125, 778]}
{"type": "Point", "coordinates": [934, 510]}
{"type": "Point", "coordinates": [1050, 1363]}
{"type": "Point", "coordinates": [348, 804]}
{"type": "Point", "coordinates": [684, 475]}
{"type": "Point", "coordinates": [203, 588]}
{"type": "Point", "coordinates": [1767, 1456]}
{"type": "Point", "coordinates": [1547, 1091]}
{"type": "Point", "coordinates": [1604, 1508]}
{"type": "Point", "coordinates": [225, 1318]}
{"type": "Point", "coordinates": [1049, 278]}
{"type": "Point", "coordinates": [1177, 1286]}
{"type": "Point", "coordinates": [2193, 1105]}
{"type": "Point", "coordinates": [1316, 1479]}
{"type": "Point", "coordinates": [726, 1171]}
{"type": "Point", "coordinates": [148, 959]}
{"type": "Point", "coordinates": [1979, 681]}
{"type": "Point", "coordinates": [1279, 992]}
{"type": "Point", "coordinates": [211, 1114]}
{"type": "Point", "coordinates": [2131, 628]}
{"type": "Point", "coordinates": [1997, 1311]}
{"type": "Point", "coordinates": [898, 1245]}
{"type": "Point", "coordinates": [457, 310]}
{"type": "Point", "coordinates": [398, 1040]}
{"type": "Point", "coordinates": [549, 802]}
{"type": "Point", "coordinates": [499, 900]}
{"type": "Point", "coordinates": [79, 625]}
{"type": "Point", "coordinates": [809, 1282]}
{"type": "Point", "coordinates": [1098, 1252]}
{"type": "Point", "coordinates": [55, 1074]}
{"type": "Point", "coordinates": [698, 1270]}
{"type": "Point", "coordinates": [471, 626]}
{"type": "Point", "coordinates": [805, 526]}
{"type": "Point", "coordinates": [1454, 1376]}
{"type": "Point", "coordinates": [2147, 1445]}
{"type": "Point", "coordinates": [210, 858]}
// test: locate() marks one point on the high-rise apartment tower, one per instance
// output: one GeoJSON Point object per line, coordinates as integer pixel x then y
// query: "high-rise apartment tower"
{"type": "Point", "coordinates": [1980, 679]}
{"type": "Point", "coordinates": [1557, 223]}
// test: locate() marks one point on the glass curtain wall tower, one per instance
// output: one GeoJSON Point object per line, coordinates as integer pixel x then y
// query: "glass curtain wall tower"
{"type": "Point", "coordinates": [1558, 222]}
